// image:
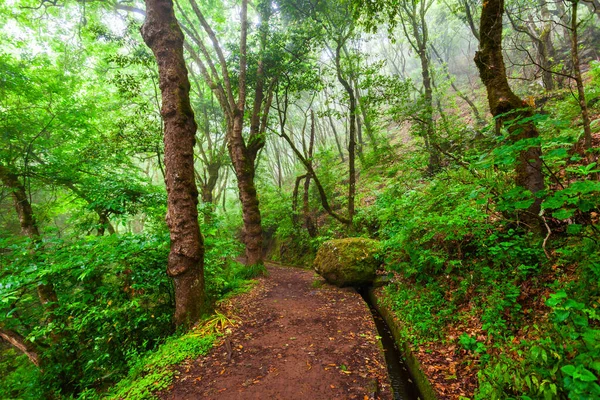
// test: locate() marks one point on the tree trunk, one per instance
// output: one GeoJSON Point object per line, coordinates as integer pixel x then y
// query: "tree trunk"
{"type": "Point", "coordinates": [414, 21]}
{"type": "Point", "coordinates": [351, 135]}
{"type": "Point", "coordinates": [507, 107]}
{"type": "Point", "coordinates": [337, 139]}
{"type": "Point", "coordinates": [585, 114]}
{"type": "Point", "coordinates": [311, 172]}
{"type": "Point", "coordinates": [104, 223]}
{"type": "Point", "coordinates": [434, 157]}
{"type": "Point", "coordinates": [243, 164]}
{"type": "Point", "coordinates": [546, 39]}
{"type": "Point", "coordinates": [295, 198]}
{"type": "Point", "coordinates": [366, 119]}
{"type": "Point", "coordinates": [545, 65]}
{"type": "Point", "coordinates": [207, 188]}
{"type": "Point", "coordinates": [311, 228]}
{"type": "Point", "coordinates": [29, 228]}
{"type": "Point", "coordinates": [279, 168]}
{"type": "Point", "coordinates": [162, 34]}
{"type": "Point", "coordinates": [479, 121]}
{"type": "Point", "coordinates": [18, 342]}
{"type": "Point", "coordinates": [308, 219]}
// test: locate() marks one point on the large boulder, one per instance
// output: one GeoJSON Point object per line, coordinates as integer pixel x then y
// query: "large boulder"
{"type": "Point", "coordinates": [348, 262]}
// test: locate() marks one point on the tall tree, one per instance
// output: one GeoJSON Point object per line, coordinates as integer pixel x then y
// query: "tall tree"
{"type": "Point", "coordinates": [242, 150]}
{"type": "Point", "coordinates": [575, 58]}
{"type": "Point", "coordinates": [508, 108]}
{"type": "Point", "coordinates": [337, 31]}
{"type": "Point", "coordinates": [412, 16]}
{"type": "Point", "coordinates": [539, 29]}
{"type": "Point", "coordinates": [162, 34]}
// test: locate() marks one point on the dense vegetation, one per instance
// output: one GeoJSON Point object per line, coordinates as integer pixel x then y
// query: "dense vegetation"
{"type": "Point", "coordinates": [307, 120]}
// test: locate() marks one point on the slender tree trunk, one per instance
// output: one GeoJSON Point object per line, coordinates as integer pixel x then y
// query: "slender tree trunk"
{"type": "Point", "coordinates": [279, 169]}
{"type": "Point", "coordinates": [29, 228]}
{"type": "Point", "coordinates": [308, 219]}
{"type": "Point", "coordinates": [311, 172]}
{"type": "Point", "coordinates": [363, 107]}
{"type": "Point", "coordinates": [224, 191]}
{"type": "Point", "coordinates": [207, 188]}
{"type": "Point", "coordinates": [19, 343]}
{"type": "Point", "coordinates": [104, 223]}
{"type": "Point", "coordinates": [478, 120]}
{"type": "Point", "coordinates": [359, 122]}
{"type": "Point", "coordinates": [162, 34]}
{"type": "Point", "coordinates": [546, 39]}
{"type": "Point", "coordinates": [243, 155]}
{"type": "Point", "coordinates": [470, 19]}
{"type": "Point", "coordinates": [585, 113]}
{"type": "Point", "coordinates": [311, 228]}
{"type": "Point", "coordinates": [434, 157]}
{"type": "Point", "coordinates": [351, 135]}
{"type": "Point", "coordinates": [337, 139]}
{"type": "Point", "coordinates": [507, 107]}
{"type": "Point", "coordinates": [295, 198]}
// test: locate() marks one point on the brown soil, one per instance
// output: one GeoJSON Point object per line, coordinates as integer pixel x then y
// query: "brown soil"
{"type": "Point", "coordinates": [296, 340]}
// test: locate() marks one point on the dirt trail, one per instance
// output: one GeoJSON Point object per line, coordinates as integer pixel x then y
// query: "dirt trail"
{"type": "Point", "coordinates": [295, 341]}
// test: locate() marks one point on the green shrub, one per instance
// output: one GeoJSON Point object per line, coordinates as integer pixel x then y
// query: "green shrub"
{"type": "Point", "coordinates": [115, 299]}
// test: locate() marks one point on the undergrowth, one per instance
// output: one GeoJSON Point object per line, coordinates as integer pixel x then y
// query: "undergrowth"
{"type": "Point", "coordinates": [116, 305]}
{"type": "Point", "coordinates": [461, 266]}
{"type": "Point", "coordinates": [522, 301]}
{"type": "Point", "coordinates": [154, 372]}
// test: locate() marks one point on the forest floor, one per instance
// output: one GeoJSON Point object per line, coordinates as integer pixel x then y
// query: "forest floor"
{"type": "Point", "coordinates": [296, 338]}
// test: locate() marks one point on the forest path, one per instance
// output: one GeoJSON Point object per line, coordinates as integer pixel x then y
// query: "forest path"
{"type": "Point", "coordinates": [296, 340]}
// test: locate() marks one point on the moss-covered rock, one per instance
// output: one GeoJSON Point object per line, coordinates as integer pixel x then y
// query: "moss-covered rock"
{"type": "Point", "coordinates": [348, 262]}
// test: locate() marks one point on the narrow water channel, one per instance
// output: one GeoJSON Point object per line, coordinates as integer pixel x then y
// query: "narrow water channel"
{"type": "Point", "coordinates": [403, 386]}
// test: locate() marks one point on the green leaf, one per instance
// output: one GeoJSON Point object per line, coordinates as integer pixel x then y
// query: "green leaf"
{"type": "Point", "coordinates": [568, 369]}
{"type": "Point", "coordinates": [584, 375]}
{"type": "Point", "coordinates": [556, 298]}
{"type": "Point", "coordinates": [563, 213]}
{"type": "Point", "coordinates": [523, 204]}
{"type": "Point", "coordinates": [581, 320]}
{"type": "Point", "coordinates": [561, 315]}
{"type": "Point", "coordinates": [557, 153]}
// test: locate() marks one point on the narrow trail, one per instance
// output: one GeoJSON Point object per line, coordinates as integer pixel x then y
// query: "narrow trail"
{"type": "Point", "coordinates": [296, 340]}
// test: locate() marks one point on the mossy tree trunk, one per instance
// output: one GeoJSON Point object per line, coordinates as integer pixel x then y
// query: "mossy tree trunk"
{"type": "Point", "coordinates": [508, 108]}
